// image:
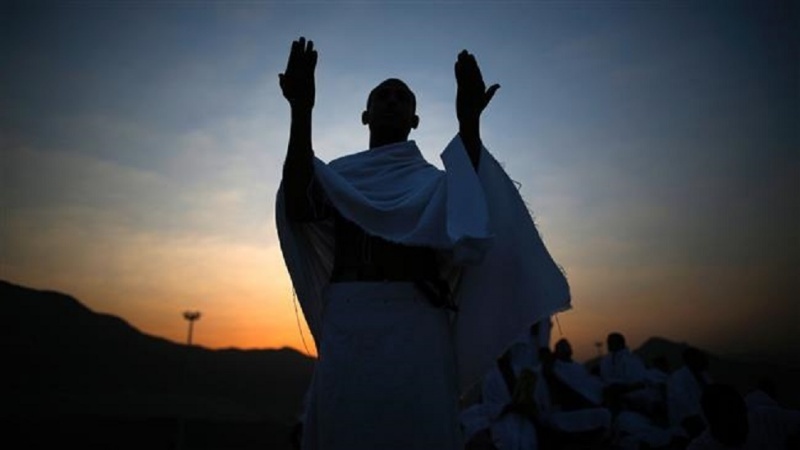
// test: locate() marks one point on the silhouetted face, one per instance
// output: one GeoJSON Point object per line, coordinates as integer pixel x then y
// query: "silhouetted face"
{"type": "Point", "coordinates": [615, 342]}
{"type": "Point", "coordinates": [563, 350]}
{"type": "Point", "coordinates": [390, 112]}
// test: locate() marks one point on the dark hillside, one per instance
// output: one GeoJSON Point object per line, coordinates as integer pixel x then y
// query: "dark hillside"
{"type": "Point", "coordinates": [63, 358]}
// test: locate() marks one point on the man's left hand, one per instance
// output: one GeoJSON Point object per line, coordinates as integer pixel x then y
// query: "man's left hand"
{"type": "Point", "coordinates": [472, 96]}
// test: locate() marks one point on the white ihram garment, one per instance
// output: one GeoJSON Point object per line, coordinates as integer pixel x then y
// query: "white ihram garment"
{"type": "Point", "coordinates": [509, 431]}
{"type": "Point", "coordinates": [580, 380]}
{"type": "Point", "coordinates": [386, 374]}
{"type": "Point", "coordinates": [504, 278]}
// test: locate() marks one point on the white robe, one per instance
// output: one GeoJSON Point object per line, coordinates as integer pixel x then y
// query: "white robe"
{"type": "Point", "coordinates": [386, 373]}
{"type": "Point", "coordinates": [509, 431]}
{"type": "Point", "coordinates": [683, 396]}
{"type": "Point", "coordinates": [507, 279]}
{"type": "Point", "coordinates": [622, 367]}
{"type": "Point", "coordinates": [771, 423]}
{"type": "Point", "coordinates": [580, 380]}
{"type": "Point", "coordinates": [503, 277]}
{"type": "Point", "coordinates": [576, 421]}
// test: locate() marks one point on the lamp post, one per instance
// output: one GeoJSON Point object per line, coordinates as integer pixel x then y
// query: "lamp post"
{"type": "Point", "coordinates": [191, 316]}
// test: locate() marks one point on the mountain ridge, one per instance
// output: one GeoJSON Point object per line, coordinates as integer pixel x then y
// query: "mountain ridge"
{"type": "Point", "coordinates": [66, 358]}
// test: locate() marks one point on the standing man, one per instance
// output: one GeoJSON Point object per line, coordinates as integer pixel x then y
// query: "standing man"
{"type": "Point", "coordinates": [412, 280]}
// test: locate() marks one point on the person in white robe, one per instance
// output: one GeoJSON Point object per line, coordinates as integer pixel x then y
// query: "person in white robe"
{"type": "Point", "coordinates": [628, 383]}
{"type": "Point", "coordinates": [561, 424]}
{"type": "Point", "coordinates": [735, 424]}
{"type": "Point", "coordinates": [412, 280]}
{"type": "Point", "coordinates": [575, 376]}
{"type": "Point", "coordinates": [620, 366]}
{"type": "Point", "coordinates": [507, 398]}
{"type": "Point", "coordinates": [493, 414]}
{"type": "Point", "coordinates": [685, 390]}
{"type": "Point", "coordinates": [773, 424]}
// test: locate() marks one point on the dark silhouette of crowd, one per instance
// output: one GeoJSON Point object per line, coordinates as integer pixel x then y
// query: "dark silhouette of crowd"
{"type": "Point", "coordinates": [538, 397]}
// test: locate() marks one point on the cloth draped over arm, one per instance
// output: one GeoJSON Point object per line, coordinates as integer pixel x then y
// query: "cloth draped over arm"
{"type": "Point", "coordinates": [505, 278]}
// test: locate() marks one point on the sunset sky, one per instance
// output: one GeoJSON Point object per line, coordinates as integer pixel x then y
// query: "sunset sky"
{"type": "Point", "coordinates": [655, 142]}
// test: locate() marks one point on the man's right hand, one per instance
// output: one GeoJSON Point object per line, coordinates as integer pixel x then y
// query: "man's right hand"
{"type": "Point", "coordinates": [297, 82]}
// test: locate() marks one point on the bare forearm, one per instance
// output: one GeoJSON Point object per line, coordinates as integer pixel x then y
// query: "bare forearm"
{"type": "Point", "coordinates": [298, 168]}
{"type": "Point", "coordinates": [469, 130]}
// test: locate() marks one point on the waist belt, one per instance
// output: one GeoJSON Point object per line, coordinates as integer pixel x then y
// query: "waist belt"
{"type": "Point", "coordinates": [369, 272]}
{"type": "Point", "coordinates": [436, 290]}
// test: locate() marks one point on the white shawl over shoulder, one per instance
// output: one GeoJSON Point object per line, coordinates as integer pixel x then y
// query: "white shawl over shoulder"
{"type": "Point", "coordinates": [508, 280]}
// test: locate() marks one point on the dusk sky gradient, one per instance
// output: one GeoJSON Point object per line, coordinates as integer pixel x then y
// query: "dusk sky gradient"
{"type": "Point", "coordinates": [655, 142]}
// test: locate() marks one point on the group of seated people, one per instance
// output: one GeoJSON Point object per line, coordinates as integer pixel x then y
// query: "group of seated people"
{"type": "Point", "coordinates": [536, 397]}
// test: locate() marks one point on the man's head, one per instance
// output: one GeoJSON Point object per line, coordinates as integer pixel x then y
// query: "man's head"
{"type": "Point", "coordinates": [390, 113]}
{"type": "Point", "coordinates": [615, 342]}
{"type": "Point", "coordinates": [563, 350]}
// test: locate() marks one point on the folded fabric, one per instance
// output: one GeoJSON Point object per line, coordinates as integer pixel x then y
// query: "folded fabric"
{"type": "Point", "coordinates": [503, 277]}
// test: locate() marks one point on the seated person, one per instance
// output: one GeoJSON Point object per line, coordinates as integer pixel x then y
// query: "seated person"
{"type": "Point", "coordinates": [684, 390]}
{"type": "Point", "coordinates": [560, 420]}
{"type": "Point", "coordinates": [627, 381]}
{"type": "Point", "coordinates": [726, 414]}
{"type": "Point", "coordinates": [772, 425]}
{"type": "Point", "coordinates": [507, 402]}
{"type": "Point", "coordinates": [572, 383]}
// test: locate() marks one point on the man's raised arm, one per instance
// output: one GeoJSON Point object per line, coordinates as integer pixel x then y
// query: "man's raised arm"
{"type": "Point", "coordinates": [297, 85]}
{"type": "Point", "coordinates": [471, 99]}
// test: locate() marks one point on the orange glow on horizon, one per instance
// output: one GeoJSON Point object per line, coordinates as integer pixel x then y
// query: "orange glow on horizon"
{"type": "Point", "coordinates": [245, 296]}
